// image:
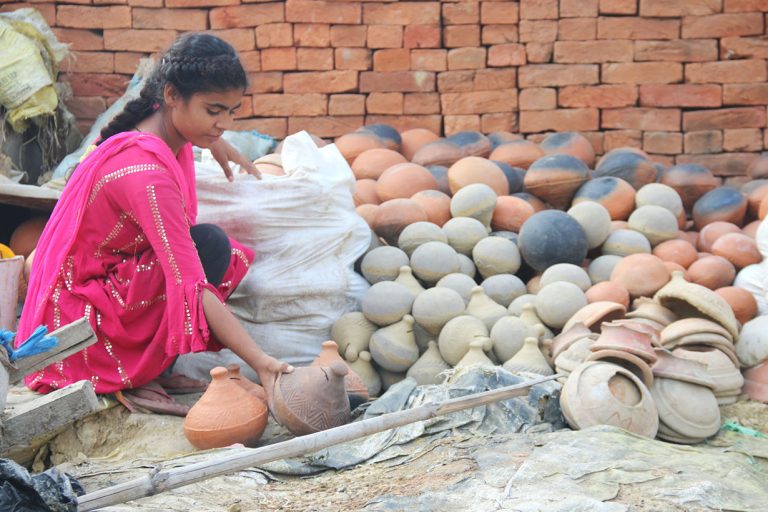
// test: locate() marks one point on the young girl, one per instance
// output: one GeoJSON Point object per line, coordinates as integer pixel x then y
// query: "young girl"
{"type": "Point", "coordinates": [122, 249]}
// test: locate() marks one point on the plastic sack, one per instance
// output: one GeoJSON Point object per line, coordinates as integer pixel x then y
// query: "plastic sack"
{"type": "Point", "coordinates": [250, 143]}
{"type": "Point", "coordinates": [50, 491]}
{"type": "Point", "coordinates": [307, 236]}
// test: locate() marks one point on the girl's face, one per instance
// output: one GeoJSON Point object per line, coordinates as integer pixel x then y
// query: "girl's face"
{"type": "Point", "coordinates": [203, 117]}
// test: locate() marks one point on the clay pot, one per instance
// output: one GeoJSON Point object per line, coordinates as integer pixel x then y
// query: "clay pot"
{"type": "Point", "coordinates": [658, 194]}
{"type": "Point", "coordinates": [420, 233]}
{"type": "Point", "coordinates": [712, 272]}
{"type": "Point", "coordinates": [371, 163]}
{"type": "Point", "coordinates": [475, 200]}
{"type": "Point", "coordinates": [692, 237]}
{"type": "Point", "coordinates": [427, 369]}
{"type": "Point", "coordinates": [403, 180]}
{"type": "Point", "coordinates": [433, 308]}
{"type": "Point", "coordinates": [641, 274]}
{"type": "Point", "coordinates": [608, 291]}
{"type": "Point", "coordinates": [394, 215]}
{"type": "Point", "coordinates": [676, 251]}
{"type": "Point", "coordinates": [433, 260]}
{"type": "Point", "coordinates": [737, 248]}
{"type": "Point", "coordinates": [11, 272]}
{"type": "Point", "coordinates": [482, 307]}
{"type": "Point", "coordinates": [471, 142]}
{"type": "Point", "coordinates": [752, 348]}
{"type": "Point", "coordinates": [555, 179]}
{"type": "Point", "coordinates": [475, 356]}
{"type": "Point", "coordinates": [627, 360]}
{"type": "Point", "coordinates": [510, 213]}
{"type": "Point", "coordinates": [414, 139]}
{"type": "Point", "coordinates": [514, 175]}
{"type": "Point", "coordinates": [508, 335]}
{"type": "Point", "coordinates": [551, 237]}
{"type": "Point", "coordinates": [538, 204]}
{"type": "Point", "coordinates": [726, 376]}
{"type": "Point", "coordinates": [755, 196]}
{"type": "Point", "coordinates": [674, 267]}
{"type": "Point", "coordinates": [669, 366]}
{"type": "Point", "coordinates": [436, 204]}
{"type": "Point", "coordinates": [368, 213]}
{"type": "Point", "coordinates": [440, 173]}
{"type": "Point", "coordinates": [615, 194]}
{"type": "Point", "coordinates": [406, 279]}
{"type": "Point", "coordinates": [352, 332]}
{"type": "Point", "coordinates": [645, 308]}
{"type": "Point", "coordinates": [691, 181]}
{"type": "Point", "coordinates": [365, 192]}
{"type": "Point", "coordinates": [567, 272]}
{"type": "Point", "coordinates": [24, 238]}
{"type": "Point", "coordinates": [503, 288]}
{"type": "Point", "coordinates": [594, 219]}
{"type": "Point", "coordinates": [474, 169]}
{"type": "Point", "coordinates": [386, 133]}
{"type": "Point", "coordinates": [569, 143]}
{"type": "Point", "coordinates": [616, 336]}
{"type": "Point", "coordinates": [387, 302]}
{"type": "Point", "coordinates": [751, 229]}
{"type": "Point", "coordinates": [456, 335]}
{"type": "Point", "coordinates": [568, 337]}
{"type": "Point", "coordinates": [363, 367]}
{"type": "Point", "coordinates": [312, 398]}
{"type": "Point", "coordinates": [721, 204]}
{"type": "Point", "coordinates": [351, 145]}
{"type": "Point", "coordinates": [226, 414]}
{"type": "Point", "coordinates": [711, 232]}
{"type": "Point", "coordinates": [494, 255]}
{"type": "Point", "coordinates": [625, 242]}
{"type": "Point", "coordinates": [534, 284]}
{"type": "Point", "coordinates": [357, 391]}
{"type": "Point", "coordinates": [463, 233]}
{"type": "Point", "coordinates": [529, 359]}
{"type": "Point", "coordinates": [383, 264]}
{"type": "Point", "coordinates": [656, 223]}
{"type": "Point", "coordinates": [600, 269]}
{"type": "Point", "coordinates": [742, 302]}
{"type": "Point", "coordinates": [242, 381]}
{"type": "Point", "coordinates": [460, 283]}
{"type": "Point", "coordinates": [558, 302]}
{"type": "Point", "coordinates": [630, 166]}
{"type": "Point", "coordinates": [502, 137]}
{"type": "Point", "coordinates": [593, 315]}
{"type": "Point", "coordinates": [577, 353]}
{"type": "Point", "coordinates": [756, 383]}
{"type": "Point", "coordinates": [518, 153]}
{"type": "Point", "coordinates": [394, 347]}
{"type": "Point", "coordinates": [758, 168]}
{"type": "Point", "coordinates": [439, 152]}
{"type": "Point", "coordinates": [690, 411]}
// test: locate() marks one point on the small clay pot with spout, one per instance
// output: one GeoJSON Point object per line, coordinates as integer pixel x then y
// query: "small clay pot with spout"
{"type": "Point", "coordinates": [356, 388]}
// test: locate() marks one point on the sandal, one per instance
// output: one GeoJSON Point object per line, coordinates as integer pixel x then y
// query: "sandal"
{"type": "Point", "coordinates": [150, 398]}
{"type": "Point", "coordinates": [181, 384]}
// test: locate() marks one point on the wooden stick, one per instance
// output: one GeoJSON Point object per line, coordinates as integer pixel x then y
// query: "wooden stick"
{"type": "Point", "coordinates": [161, 481]}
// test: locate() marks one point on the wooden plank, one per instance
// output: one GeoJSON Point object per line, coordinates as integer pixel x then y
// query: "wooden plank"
{"type": "Point", "coordinates": [29, 425]}
{"type": "Point", "coordinates": [29, 196]}
{"type": "Point", "coordinates": [73, 338]}
{"type": "Point", "coordinates": [160, 481]}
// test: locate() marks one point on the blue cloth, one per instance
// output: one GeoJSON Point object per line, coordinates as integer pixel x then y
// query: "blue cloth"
{"type": "Point", "coordinates": [35, 344]}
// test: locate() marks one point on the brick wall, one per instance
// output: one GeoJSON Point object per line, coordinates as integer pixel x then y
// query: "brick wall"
{"type": "Point", "coordinates": [683, 79]}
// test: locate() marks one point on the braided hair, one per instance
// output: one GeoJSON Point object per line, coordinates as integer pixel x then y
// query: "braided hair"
{"type": "Point", "coordinates": [196, 62]}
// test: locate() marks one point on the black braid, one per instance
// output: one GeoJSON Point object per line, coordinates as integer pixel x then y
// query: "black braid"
{"type": "Point", "coordinates": [196, 62]}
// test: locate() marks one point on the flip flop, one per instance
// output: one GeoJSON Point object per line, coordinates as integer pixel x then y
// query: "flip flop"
{"type": "Point", "coordinates": [150, 398]}
{"type": "Point", "coordinates": [180, 384]}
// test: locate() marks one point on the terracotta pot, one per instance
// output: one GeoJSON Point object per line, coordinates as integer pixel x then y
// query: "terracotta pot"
{"type": "Point", "coordinates": [474, 169]}
{"type": "Point", "coordinates": [641, 274]}
{"type": "Point", "coordinates": [742, 302]}
{"type": "Point", "coordinates": [737, 248]}
{"type": "Point", "coordinates": [689, 410]}
{"type": "Point", "coordinates": [755, 196]}
{"type": "Point", "coordinates": [538, 204]}
{"type": "Point", "coordinates": [627, 360]}
{"type": "Point", "coordinates": [394, 215]}
{"type": "Point", "coordinates": [712, 272]}
{"type": "Point", "coordinates": [569, 143]}
{"type": "Point", "coordinates": [353, 144]}
{"type": "Point", "coordinates": [435, 204]}
{"type": "Point", "coordinates": [383, 263]}
{"type": "Point", "coordinates": [242, 381]}
{"type": "Point", "coordinates": [404, 180]}
{"type": "Point", "coordinates": [649, 309]}
{"type": "Point", "coordinates": [365, 192]}
{"type": "Point", "coordinates": [510, 213]}
{"type": "Point", "coordinates": [615, 336]}
{"type": "Point", "coordinates": [615, 194]}
{"type": "Point", "coordinates": [368, 213]}
{"type": "Point", "coordinates": [669, 366]}
{"type": "Point", "coordinates": [357, 391]}
{"type": "Point", "coordinates": [762, 210]}
{"type": "Point", "coordinates": [439, 152]}
{"type": "Point", "coordinates": [518, 153]}
{"type": "Point", "coordinates": [691, 181]}
{"type": "Point", "coordinates": [414, 139]}
{"type": "Point", "coordinates": [676, 251]}
{"type": "Point", "coordinates": [440, 173]}
{"type": "Point", "coordinates": [576, 354]}
{"type": "Point", "coordinates": [555, 179]}
{"type": "Point", "coordinates": [711, 232]}
{"type": "Point", "coordinates": [471, 142]}
{"type": "Point", "coordinates": [751, 229]}
{"type": "Point", "coordinates": [371, 163]}
{"type": "Point", "coordinates": [386, 134]}
{"type": "Point", "coordinates": [502, 137]}
{"type": "Point", "coordinates": [724, 373]}
{"type": "Point", "coordinates": [593, 315]}
{"type": "Point", "coordinates": [568, 337]}
{"type": "Point", "coordinates": [24, 238]}
{"type": "Point", "coordinates": [226, 414]}
{"type": "Point", "coordinates": [756, 383]}
{"type": "Point", "coordinates": [634, 168]}
{"type": "Point", "coordinates": [721, 204]}
{"type": "Point", "coordinates": [608, 291]}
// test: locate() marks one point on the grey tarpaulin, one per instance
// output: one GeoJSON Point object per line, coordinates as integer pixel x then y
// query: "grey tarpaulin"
{"type": "Point", "coordinates": [50, 491]}
{"type": "Point", "coordinates": [540, 410]}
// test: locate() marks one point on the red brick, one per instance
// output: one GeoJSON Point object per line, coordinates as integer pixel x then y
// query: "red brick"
{"type": "Point", "coordinates": [173, 19]}
{"type": "Point", "coordinates": [499, 122]}
{"type": "Point", "coordinates": [199, 3]}
{"type": "Point", "coordinates": [665, 143]}
{"type": "Point", "coordinates": [251, 61]}
{"type": "Point", "coordinates": [691, 50]}
{"type": "Point", "coordinates": [385, 36]}
{"type": "Point", "coordinates": [664, 160]}
{"type": "Point", "coordinates": [741, 117]}
{"type": "Point", "coordinates": [312, 34]}
{"type": "Point", "coordinates": [89, 62]}
{"type": "Point", "coordinates": [48, 11]}
{"type": "Point", "coordinates": [457, 36]}
{"type": "Point", "coordinates": [277, 105]}
{"type": "Point", "coordinates": [725, 164]}
{"type": "Point", "coordinates": [456, 81]}
{"type": "Point", "coordinates": [272, 35]}
{"type": "Point", "coordinates": [576, 119]}
{"type": "Point", "coordinates": [535, 9]}
{"type": "Point", "coordinates": [79, 39]}
{"type": "Point", "coordinates": [346, 105]}
{"type": "Point", "coordinates": [502, 13]}
{"type": "Point", "coordinates": [722, 25]}
{"type": "Point", "coordinates": [75, 16]}
{"type": "Point", "coordinates": [429, 60]}
{"type": "Point", "coordinates": [466, 58]}
{"type": "Point", "coordinates": [630, 27]}
{"type": "Point", "coordinates": [583, 52]}
{"type": "Point", "coordinates": [330, 82]}
{"type": "Point", "coordinates": [743, 139]}
{"type": "Point", "coordinates": [264, 82]}
{"type": "Point", "coordinates": [393, 59]}
{"type": "Point", "coordinates": [314, 59]}
{"type": "Point", "coordinates": [745, 94]}
{"type": "Point", "coordinates": [661, 119]}
{"type": "Point", "coordinates": [642, 73]}
{"type": "Point", "coordinates": [349, 36]}
{"type": "Point", "coordinates": [539, 53]}
{"type": "Point", "coordinates": [246, 15]}
{"type": "Point", "coordinates": [86, 107]}
{"type": "Point", "coordinates": [538, 98]}
{"type": "Point", "coordinates": [744, 48]}
{"type": "Point", "coordinates": [241, 39]}
{"type": "Point", "coordinates": [275, 127]}
{"type": "Point", "coordinates": [421, 36]}
{"type": "Point", "coordinates": [462, 13]}
{"type": "Point", "coordinates": [618, 7]}
{"type": "Point", "coordinates": [596, 139]}
{"type": "Point", "coordinates": [500, 34]}
{"type": "Point", "coordinates": [745, 5]}
{"type": "Point", "coordinates": [404, 122]}
{"type": "Point", "coordinates": [402, 13]}
{"type": "Point", "coordinates": [538, 31]}
{"type": "Point", "coordinates": [614, 139]}
{"type": "Point", "coordinates": [353, 58]}
{"type": "Point", "coordinates": [138, 40]}
{"type": "Point", "coordinates": [676, 8]}
{"type": "Point", "coordinates": [397, 81]}
{"type": "Point", "coordinates": [578, 8]}
{"type": "Point", "coordinates": [479, 102]}
{"type": "Point", "coordinates": [421, 103]}
{"type": "Point", "coordinates": [310, 11]}
{"type": "Point", "coordinates": [577, 29]}
{"type": "Point", "coordinates": [460, 123]}
{"type": "Point", "coordinates": [147, 3]}
{"type": "Point", "coordinates": [558, 75]}
{"type": "Point", "coordinates": [739, 71]}
{"type": "Point", "coordinates": [128, 62]}
{"type": "Point", "coordinates": [494, 79]}
{"type": "Point", "coordinates": [599, 96]}
{"type": "Point", "coordinates": [384, 103]}
{"type": "Point", "coordinates": [278, 59]}
{"type": "Point", "coordinates": [327, 126]}
{"type": "Point", "coordinates": [680, 95]}
{"type": "Point", "coordinates": [511, 54]}
{"type": "Point", "coordinates": [245, 109]}
{"type": "Point", "coordinates": [97, 84]}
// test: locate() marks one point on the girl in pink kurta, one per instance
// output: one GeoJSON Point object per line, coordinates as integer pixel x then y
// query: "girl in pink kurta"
{"type": "Point", "coordinates": [119, 249]}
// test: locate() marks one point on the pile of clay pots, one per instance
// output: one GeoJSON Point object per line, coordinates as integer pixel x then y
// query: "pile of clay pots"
{"type": "Point", "coordinates": [487, 247]}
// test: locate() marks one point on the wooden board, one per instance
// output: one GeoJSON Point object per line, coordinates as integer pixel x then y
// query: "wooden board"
{"type": "Point", "coordinates": [29, 196]}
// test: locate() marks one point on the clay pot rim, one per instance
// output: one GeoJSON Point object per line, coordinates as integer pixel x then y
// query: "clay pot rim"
{"type": "Point", "coordinates": [596, 313]}
{"type": "Point", "coordinates": [636, 347]}
{"type": "Point", "coordinates": [566, 338]}
{"type": "Point", "coordinates": [693, 325]}
{"type": "Point", "coordinates": [695, 373]}
{"type": "Point", "coordinates": [645, 369]}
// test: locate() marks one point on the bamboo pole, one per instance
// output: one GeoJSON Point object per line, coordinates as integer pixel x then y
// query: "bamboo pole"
{"type": "Point", "coordinates": [158, 481]}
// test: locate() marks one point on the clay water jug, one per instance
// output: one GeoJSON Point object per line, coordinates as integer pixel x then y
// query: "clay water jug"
{"type": "Point", "coordinates": [475, 356]}
{"type": "Point", "coordinates": [352, 332]}
{"type": "Point", "coordinates": [363, 367]}
{"type": "Point", "coordinates": [483, 307]}
{"type": "Point", "coordinates": [405, 278]}
{"type": "Point", "coordinates": [427, 369]}
{"type": "Point", "coordinates": [245, 383]}
{"type": "Point", "coordinates": [456, 335]}
{"type": "Point", "coordinates": [356, 388]}
{"type": "Point", "coordinates": [529, 359]}
{"type": "Point", "coordinates": [394, 347]}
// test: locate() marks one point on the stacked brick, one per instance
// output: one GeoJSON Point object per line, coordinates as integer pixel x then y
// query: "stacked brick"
{"type": "Point", "coordinates": [686, 80]}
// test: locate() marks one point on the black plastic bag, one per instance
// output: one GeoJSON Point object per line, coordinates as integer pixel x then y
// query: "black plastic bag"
{"type": "Point", "coordinates": [50, 491]}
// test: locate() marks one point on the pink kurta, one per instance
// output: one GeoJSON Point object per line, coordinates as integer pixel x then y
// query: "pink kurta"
{"type": "Point", "coordinates": [131, 268]}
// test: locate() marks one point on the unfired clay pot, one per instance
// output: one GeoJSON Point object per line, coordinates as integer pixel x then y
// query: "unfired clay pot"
{"type": "Point", "coordinates": [460, 283]}
{"type": "Point", "coordinates": [658, 194]}
{"type": "Point", "coordinates": [655, 222]}
{"type": "Point", "coordinates": [456, 335]}
{"type": "Point", "coordinates": [434, 260]}
{"type": "Point", "coordinates": [427, 368]}
{"type": "Point", "coordinates": [573, 356]}
{"type": "Point", "coordinates": [559, 301]}
{"type": "Point", "coordinates": [434, 307]}
{"type": "Point", "coordinates": [503, 288]}
{"type": "Point", "coordinates": [567, 337]}
{"type": "Point", "coordinates": [600, 269]}
{"type": "Point", "coordinates": [752, 347]}
{"type": "Point", "coordinates": [594, 219]}
{"type": "Point", "coordinates": [394, 347]}
{"type": "Point", "coordinates": [383, 264]}
{"type": "Point", "coordinates": [475, 356]}
{"type": "Point", "coordinates": [352, 332]}
{"type": "Point", "coordinates": [387, 302]}
{"type": "Point", "coordinates": [420, 233]}
{"type": "Point", "coordinates": [567, 272]}
{"type": "Point", "coordinates": [624, 242]}
{"type": "Point", "coordinates": [495, 255]}
{"type": "Point", "coordinates": [363, 367]}
{"type": "Point", "coordinates": [689, 411]}
{"type": "Point", "coordinates": [482, 307]}
{"type": "Point", "coordinates": [463, 233]}
{"type": "Point", "coordinates": [405, 278]}
{"type": "Point", "coordinates": [529, 359]}
{"type": "Point", "coordinates": [476, 200]}
{"type": "Point", "coordinates": [356, 388]}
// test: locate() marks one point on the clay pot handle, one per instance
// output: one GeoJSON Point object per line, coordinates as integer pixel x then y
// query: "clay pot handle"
{"type": "Point", "coordinates": [338, 368]}
{"type": "Point", "coordinates": [219, 373]}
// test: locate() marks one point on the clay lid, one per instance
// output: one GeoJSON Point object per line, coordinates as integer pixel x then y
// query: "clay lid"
{"type": "Point", "coordinates": [626, 360]}
{"type": "Point", "coordinates": [645, 325]}
{"type": "Point", "coordinates": [644, 307]}
{"type": "Point", "coordinates": [568, 336]}
{"type": "Point", "coordinates": [594, 314]}
{"type": "Point", "coordinates": [575, 354]}
{"type": "Point", "coordinates": [706, 340]}
{"type": "Point", "coordinates": [690, 326]}
{"type": "Point", "coordinates": [686, 370]}
{"type": "Point", "coordinates": [616, 336]}
{"type": "Point", "coordinates": [689, 299]}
